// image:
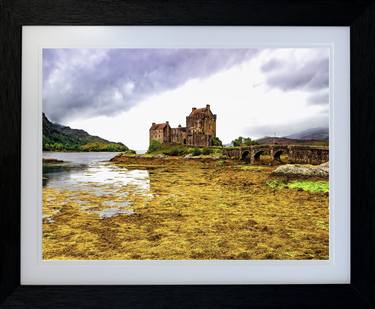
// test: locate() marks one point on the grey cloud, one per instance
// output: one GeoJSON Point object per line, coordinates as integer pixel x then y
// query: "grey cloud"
{"type": "Point", "coordinates": [91, 82]}
{"type": "Point", "coordinates": [313, 75]}
{"type": "Point", "coordinates": [318, 99]}
{"type": "Point", "coordinates": [272, 65]}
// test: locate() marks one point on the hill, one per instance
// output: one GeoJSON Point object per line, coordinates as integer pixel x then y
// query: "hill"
{"type": "Point", "coordinates": [268, 140]}
{"type": "Point", "coordinates": [311, 134]}
{"type": "Point", "coordinates": [57, 137]}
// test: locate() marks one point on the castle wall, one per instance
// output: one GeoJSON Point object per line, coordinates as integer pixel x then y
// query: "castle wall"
{"type": "Point", "coordinates": [200, 125]}
{"type": "Point", "coordinates": [178, 135]}
{"type": "Point", "coordinates": [199, 140]}
{"type": "Point", "coordinates": [162, 135]}
{"type": "Point", "coordinates": [157, 135]}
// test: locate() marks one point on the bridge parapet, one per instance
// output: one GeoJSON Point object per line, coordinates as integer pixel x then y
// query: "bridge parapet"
{"type": "Point", "coordinates": [233, 153]}
{"type": "Point", "coordinates": [308, 154]}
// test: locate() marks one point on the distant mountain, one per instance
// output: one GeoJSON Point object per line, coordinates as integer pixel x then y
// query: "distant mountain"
{"type": "Point", "coordinates": [314, 136]}
{"type": "Point", "coordinates": [57, 137]}
{"type": "Point", "coordinates": [311, 134]}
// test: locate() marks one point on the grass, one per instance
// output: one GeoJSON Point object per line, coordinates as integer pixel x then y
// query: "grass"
{"type": "Point", "coordinates": [192, 210]}
{"type": "Point", "coordinates": [310, 186]}
{"type": "Point", "coordinates": [305, 185]}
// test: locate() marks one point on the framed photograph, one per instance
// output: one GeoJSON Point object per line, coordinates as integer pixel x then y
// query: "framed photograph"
{"type": "Point", "coordinates": [205, 160]}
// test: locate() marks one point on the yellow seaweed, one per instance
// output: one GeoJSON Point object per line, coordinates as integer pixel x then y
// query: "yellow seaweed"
{"type": "Point", "coordinates": [193, 210]}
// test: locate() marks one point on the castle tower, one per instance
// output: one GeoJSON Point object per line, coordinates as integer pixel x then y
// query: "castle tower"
{"type": "Point", "coordinates": [201, 127]}
{"type": "Point", "coordinates": [160, 132]}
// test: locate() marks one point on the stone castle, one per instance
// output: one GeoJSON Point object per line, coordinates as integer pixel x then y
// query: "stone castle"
{"type": "Point", "coordinates": [199, 131]}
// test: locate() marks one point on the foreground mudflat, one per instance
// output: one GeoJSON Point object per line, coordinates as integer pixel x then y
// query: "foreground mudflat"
{"type": "Point", "coordinates": [156, 208]}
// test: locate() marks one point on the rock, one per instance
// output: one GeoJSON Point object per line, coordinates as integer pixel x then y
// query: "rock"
{"type": "Point", "coordinates": [324, 167]}
{"type": "Point", "coordinates": [298, 170]}
{"type": "Point", "coordinates": [188, 156]}
{"type": "Point", "coordinates": [160, 156]}
{"type": "Point", "coordinates": [117, 157]}
{"type": "Point", "coordinates": [52, 161]}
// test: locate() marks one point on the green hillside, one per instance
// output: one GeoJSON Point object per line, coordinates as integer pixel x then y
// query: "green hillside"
{"type": "Point", "coordinates": [62, 138]}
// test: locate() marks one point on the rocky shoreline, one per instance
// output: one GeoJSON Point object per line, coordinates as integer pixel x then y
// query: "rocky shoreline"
{"type": "Point", "coordinates": [124, 158]}
{"type": "Point", "coordinates": [288, 170]}
{"type": "Point", "coordinates": [52, 161]}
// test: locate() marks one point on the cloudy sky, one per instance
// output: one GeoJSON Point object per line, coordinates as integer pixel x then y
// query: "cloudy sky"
{"type": "Point", "coordinates": [118, 93]}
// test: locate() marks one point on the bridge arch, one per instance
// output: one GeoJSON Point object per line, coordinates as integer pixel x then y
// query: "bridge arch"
{"type": "Point", "coordinates": [261, 155]}
{"type": "Point", "coordinates": [257, 155]}
{"type": "Point", "coordinates": [245, 156]}
{"type": "Point", "coordinates": [277, 154]}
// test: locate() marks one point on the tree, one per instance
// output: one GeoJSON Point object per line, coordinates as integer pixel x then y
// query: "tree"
{"type": "Point", "coordinates": [237, 142]}
{"type": "Point", "coordinates": [216, 141]}
{"type": "Point", "coordinates": [247, 141]}
{"type": "Point", "coordinates": [243, 141]}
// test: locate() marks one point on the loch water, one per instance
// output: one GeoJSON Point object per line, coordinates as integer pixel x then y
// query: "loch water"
{"type": "Point", "coordinates": [91, 172]}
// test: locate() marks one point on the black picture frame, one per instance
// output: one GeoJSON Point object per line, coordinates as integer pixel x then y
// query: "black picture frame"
{"type": "Point", "coordinates": [359, 15]}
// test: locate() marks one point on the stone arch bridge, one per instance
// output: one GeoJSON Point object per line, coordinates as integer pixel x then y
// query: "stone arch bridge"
{"type": "Point", "coordinates": [296, 153]}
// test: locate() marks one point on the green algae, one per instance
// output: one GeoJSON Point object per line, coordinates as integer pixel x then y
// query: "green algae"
{"type": "Point", "coordinates": [305, 185]}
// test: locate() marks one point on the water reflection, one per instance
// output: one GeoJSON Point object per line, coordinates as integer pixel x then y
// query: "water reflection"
{"type": "Point", "coordinates": [110, 212]}
{"type": "Point", "coordinates": [87, 179]}
{"type": "Point", "coordinates": [99, 173]}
